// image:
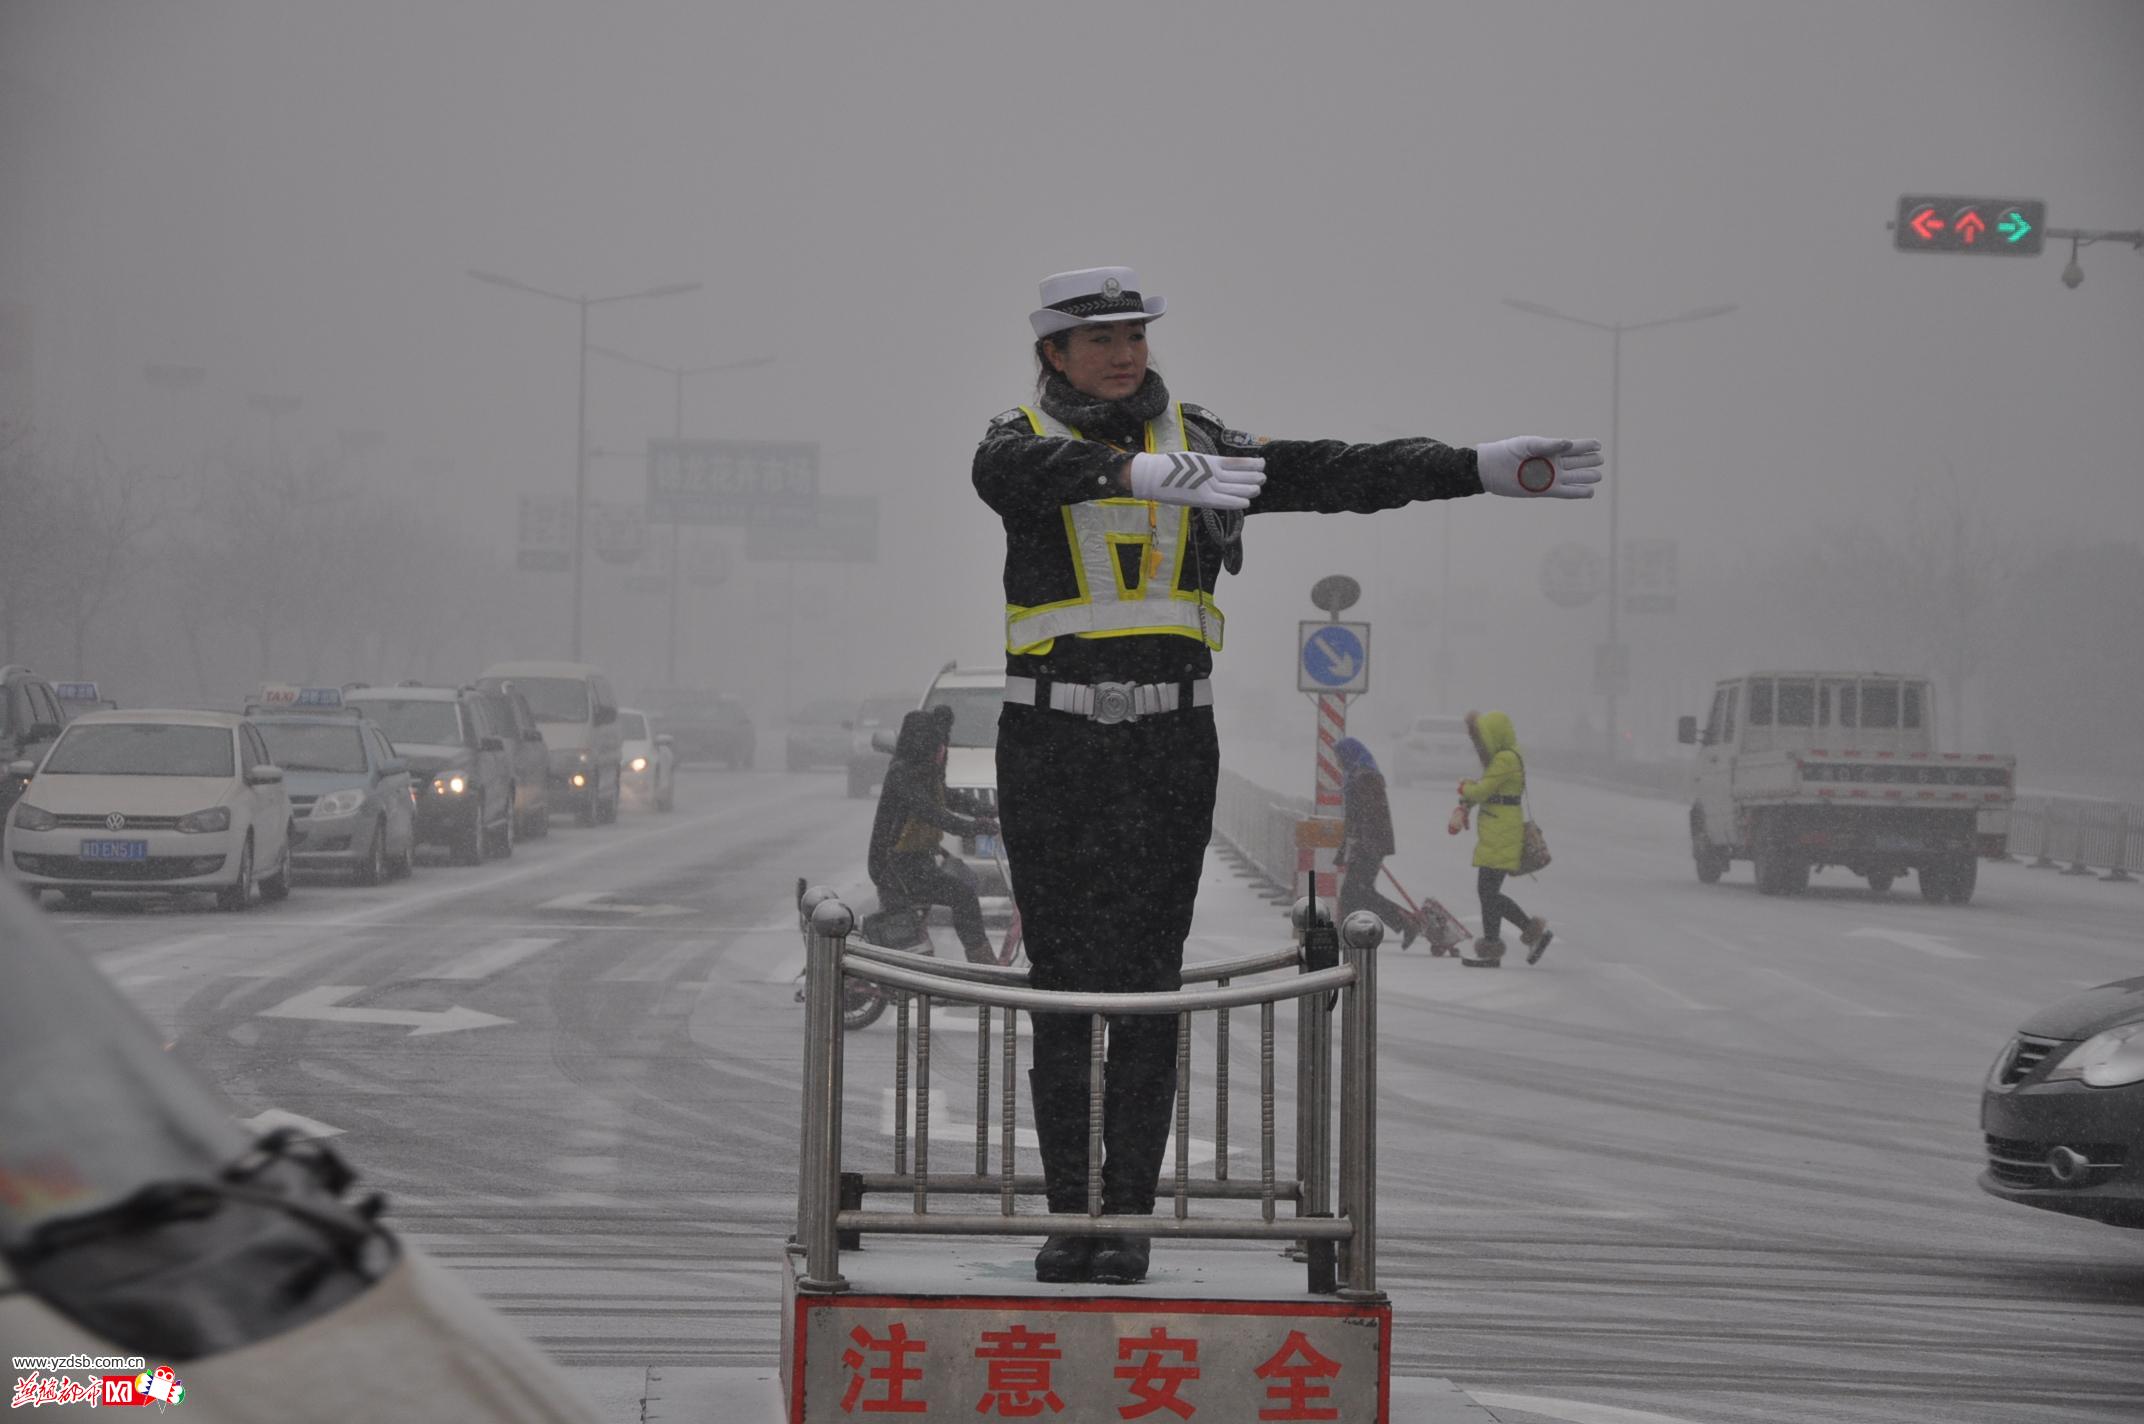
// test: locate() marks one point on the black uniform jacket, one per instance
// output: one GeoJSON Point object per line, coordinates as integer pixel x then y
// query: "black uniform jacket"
{"type": "Point", "coordinates": [1028, 479]}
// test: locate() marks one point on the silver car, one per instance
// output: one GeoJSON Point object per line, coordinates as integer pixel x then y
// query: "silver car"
{"type": "Point", "coordinates": [350, 801]}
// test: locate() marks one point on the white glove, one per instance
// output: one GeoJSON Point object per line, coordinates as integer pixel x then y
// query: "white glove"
{"type": "Point", "coordinates": [1201, 481]}
{"type": "Point", "coordinates": [1532, 467]}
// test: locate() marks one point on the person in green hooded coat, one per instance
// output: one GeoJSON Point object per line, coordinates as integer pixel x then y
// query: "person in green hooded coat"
{"type": "Point", "coordinates": [1499, 800]}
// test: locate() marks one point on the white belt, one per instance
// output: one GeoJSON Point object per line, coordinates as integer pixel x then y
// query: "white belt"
{"type": "Point", "coordinates": [1107, 702]}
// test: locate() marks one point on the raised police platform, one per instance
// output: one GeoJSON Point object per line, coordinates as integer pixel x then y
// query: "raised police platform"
{"type": "Point", "coordinates": [909, 1290]}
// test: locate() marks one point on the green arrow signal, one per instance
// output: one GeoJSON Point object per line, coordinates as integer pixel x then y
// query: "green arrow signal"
{"type": "Point", "coordinates": [2013, 227]}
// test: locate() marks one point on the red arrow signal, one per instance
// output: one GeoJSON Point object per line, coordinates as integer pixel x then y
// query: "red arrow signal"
{"type": "Point", "coordinates": [1969, 223]}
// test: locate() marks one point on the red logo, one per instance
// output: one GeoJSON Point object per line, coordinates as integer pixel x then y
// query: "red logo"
{"type": "Point", "coordinates": [119, 1391]}
{"type": "Point", "coordinates": [1536, 474]}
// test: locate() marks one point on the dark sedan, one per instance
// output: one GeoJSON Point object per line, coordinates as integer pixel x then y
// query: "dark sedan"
{"type": "Point", "coordinates": [2064, 1108]}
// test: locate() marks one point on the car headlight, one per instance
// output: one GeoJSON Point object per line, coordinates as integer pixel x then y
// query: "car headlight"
{"type": "Point", "coordinates": [339, 803]}
{"type": "Point", "coordinates": [34, 818]}
{"type": "Point", "coordinates": [215, 818]}
{"type": "Point", "coordinates": [451, 783]}
{"type": "Point", "coordinates": [640, 763]}
{"type": "Point", "coordinates": [2113, 1059]}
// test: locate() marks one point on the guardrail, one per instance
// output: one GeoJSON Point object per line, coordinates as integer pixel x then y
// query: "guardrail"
{"type": "Point", "coordinates": [1339, 1246]}
{"type": "Point", "coordinates": [1258, 826]}
{"type": "Point", "coordinates": [2077, 836]}
{"type": "Point", "coordinates": [2073, 834]}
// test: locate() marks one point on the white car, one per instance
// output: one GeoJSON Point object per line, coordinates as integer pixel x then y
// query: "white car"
{"type": "Point", "coordinates": [1435, 749]}
{"type": "Point", "coordinates": [649, 775]}
{"type": "Point", "coordinates": [155, 801]}
{"type": "Point", "coordinates": [971, 759]}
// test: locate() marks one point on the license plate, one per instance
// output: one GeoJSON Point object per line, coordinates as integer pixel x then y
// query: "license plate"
{"type": "Point", "coordinates": [115, 850]}
{"type": "Point", "coordinates": [986, 845]}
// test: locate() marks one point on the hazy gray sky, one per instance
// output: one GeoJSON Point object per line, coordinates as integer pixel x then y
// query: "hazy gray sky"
{"type": "Point", "coordinates": [1334, 198]}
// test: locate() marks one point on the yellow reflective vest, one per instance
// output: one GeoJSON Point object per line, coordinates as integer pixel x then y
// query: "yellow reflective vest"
{"type": "Point", "coordinates": [1127, 560]}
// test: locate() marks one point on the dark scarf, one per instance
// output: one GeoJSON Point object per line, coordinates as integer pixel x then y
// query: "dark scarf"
{"type": "Point", "coordinates": [1105, 419]}
{"type": "Point", "coordinates": [1124, 423]}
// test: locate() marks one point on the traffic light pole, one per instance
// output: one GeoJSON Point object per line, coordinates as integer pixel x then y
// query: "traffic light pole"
{"type": "Point", "coordinates": [1615, 542]}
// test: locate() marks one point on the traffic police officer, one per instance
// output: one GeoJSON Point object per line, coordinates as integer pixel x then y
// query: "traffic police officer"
{"type": "Point", "coordinates": [1121, 508]}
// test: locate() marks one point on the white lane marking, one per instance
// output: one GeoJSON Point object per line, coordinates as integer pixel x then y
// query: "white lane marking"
{"type": "Point", "coordinates": [1925, 943]}
{"type": "Point", "coordinates": [274, 1118]}
{"type": "Point", "coordinates": [321, 1004]}
{"type": "Point", "coordinates": [1845, 1004]}
{"type": "Point", "coordinates": [1632, 971]}
{"type": "Point", "coordinates": [485, 962]}
{"type": "Point", "coordinates": [1572, 1410]}
{"type": "Point", "coordinates": [459, 888]}
{"type": "Point", "coordinates": [603, 902]}
{"type": "Point", "coordinates": [653, 964]}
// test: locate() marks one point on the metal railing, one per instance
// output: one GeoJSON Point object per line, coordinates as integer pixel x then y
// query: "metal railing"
{"type": "Point", "coordinates": [1328, 966]}
{"type": "Point", "coordinates": [2079, 837]}
{"type": "Point", "coordinates": [2074, 834]}
{"type": "Point", "coordinates": [1259, 826]}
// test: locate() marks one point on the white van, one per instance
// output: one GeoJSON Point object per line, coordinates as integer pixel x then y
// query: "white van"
{"type": "Point", "coordinates": [577, 712]}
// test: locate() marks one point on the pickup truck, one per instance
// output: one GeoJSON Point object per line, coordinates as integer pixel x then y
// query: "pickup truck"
{"type": "Point", "coordinates": [1800, 770]}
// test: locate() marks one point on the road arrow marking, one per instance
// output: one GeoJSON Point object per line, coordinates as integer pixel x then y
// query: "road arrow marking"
{"type": "Point", "coordinates": [269, 1121]}
{"type": "Point", "coordinates": [322, 1005]}
{"type": "Point", "coordinates": [1926, 944]}
{"type": "Point", "coordinates": [602, 902]}
{"type": "Point", "coordinates": [1846, 1005]}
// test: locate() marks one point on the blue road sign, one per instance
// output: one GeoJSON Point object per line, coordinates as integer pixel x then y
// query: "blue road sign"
{"type": "Point", "coordinates": [1333, 657]}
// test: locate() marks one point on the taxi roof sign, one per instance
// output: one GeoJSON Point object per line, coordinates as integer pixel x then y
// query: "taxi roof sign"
{"type": "Point", "coordinates": [76, 692]}
{"type": "Point", "coordinates": [282, 695]}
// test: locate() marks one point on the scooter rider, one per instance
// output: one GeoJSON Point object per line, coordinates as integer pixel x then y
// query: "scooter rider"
{"type": "Point", "coordinates": [907, 861]}
{"type": "Point", "coordinates": [1121, 508]}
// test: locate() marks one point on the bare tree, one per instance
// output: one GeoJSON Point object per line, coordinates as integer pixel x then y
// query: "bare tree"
{"type": "Point", "coordinates": [106, 509]}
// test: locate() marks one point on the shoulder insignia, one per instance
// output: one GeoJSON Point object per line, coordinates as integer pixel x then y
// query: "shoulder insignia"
{"type": "Point", "coordinates": [1014, 420]}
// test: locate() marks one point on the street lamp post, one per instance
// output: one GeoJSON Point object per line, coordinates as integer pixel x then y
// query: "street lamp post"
{"type": "Point", "coordinates": [580, 443]}
{"type": "Point", "coordinates": [1613, 672]}
{"type": "Point", "coordinates": [677, 375]}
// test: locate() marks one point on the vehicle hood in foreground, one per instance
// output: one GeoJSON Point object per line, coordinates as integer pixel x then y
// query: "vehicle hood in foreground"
{"type": "Point", "coordinates": [428, 757]}
{"type": "Point", "coordinates": [320, 783]}
{"type": "Point", "coordinates": [129, 795]}
{"type": "Point", "coordinates": [2093, 1011]}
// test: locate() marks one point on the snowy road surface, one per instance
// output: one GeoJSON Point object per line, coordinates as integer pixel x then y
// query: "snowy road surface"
{"type": "Point", "coordinates": [1713, 1159]}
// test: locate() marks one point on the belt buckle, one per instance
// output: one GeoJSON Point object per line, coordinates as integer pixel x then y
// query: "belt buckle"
{"type": "Point", "coordinates": [1113, 702]}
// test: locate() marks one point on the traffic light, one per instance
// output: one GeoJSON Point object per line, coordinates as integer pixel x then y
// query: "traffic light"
{"type": "Point", "coordinates": [1996, 227]}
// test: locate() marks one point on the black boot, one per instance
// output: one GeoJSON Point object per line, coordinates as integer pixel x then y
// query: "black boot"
{"type": "Point", "coordinates": [1060, 1098]}
{"type": "Point", "coordinates": [1139, 1099]}
{"type": "Point", "coordinates": [1065, 1260]}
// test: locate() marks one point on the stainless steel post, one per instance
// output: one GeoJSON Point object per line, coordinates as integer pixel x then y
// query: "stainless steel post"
{"type": "Point", "coordinates": [923, 1103]}
{"type": "Point", "coordinates": [1359, 938]}
{"type": "Point", "coordinates": [982, 1090]}
{"type": "Point", "coordinates": [1010, 1103]}
{"type": "Point", "coordinates": [820, 1198]}
{"type": "Point", "coordinates": [1183, 1116]}
{"type": "Point", "coordinates": [1095, 1026]}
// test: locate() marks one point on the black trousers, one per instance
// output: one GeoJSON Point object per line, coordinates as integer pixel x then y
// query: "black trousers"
{"type": "Point", "coordinates": [1358, 891]}
{"type": "Point", "coordinates": [923, 880]}
{"type": "Point", "coordinates": [1106, 830]}
{"type": "Point", "coordinates": [1495, 904]}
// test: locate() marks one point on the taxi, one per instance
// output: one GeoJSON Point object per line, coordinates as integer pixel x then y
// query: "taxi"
{"type": "Point", "coordinates": [352, 803]}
